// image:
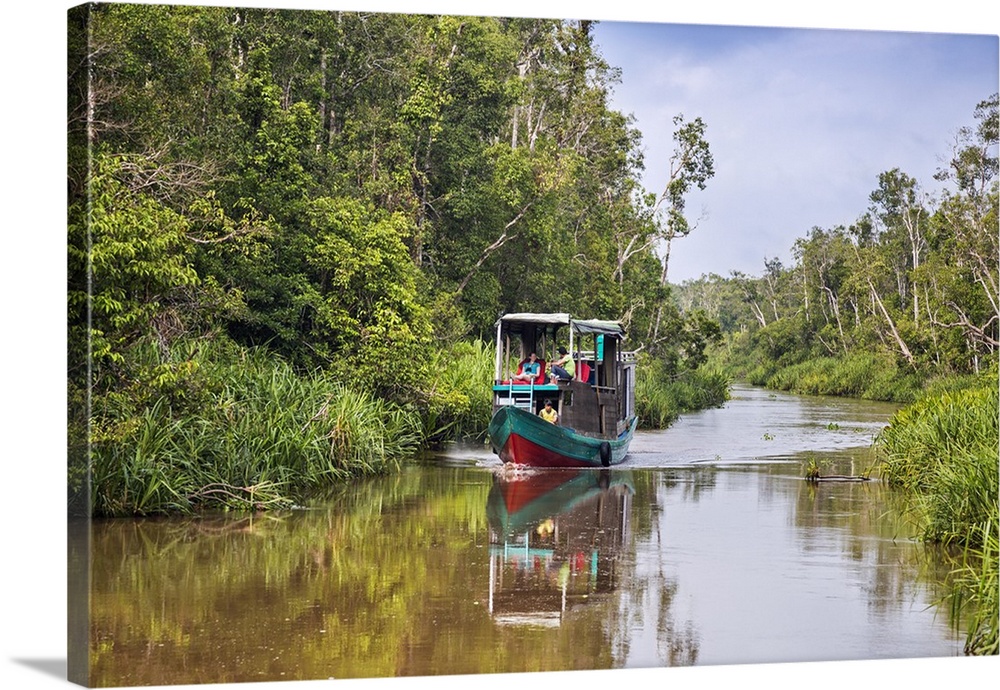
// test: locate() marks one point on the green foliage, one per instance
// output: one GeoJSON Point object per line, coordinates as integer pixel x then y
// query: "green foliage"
{"type": "Point", "coordinates": [215, 425]}
{"type": "Point", "coordinates": [331, 207]}
{"type": "Point", "coordinates": [366, 306]}
{"type": "Point", "coordinates": [953, 427]}
{"type": "Point", "coordinates": [867, 376]}
{"type": "Point", "coordinates": [459, 402]}
{"type": "Point", "coordinates": [137, 257]}
{"type": "Point", "coordinates": [976, 590]}
{"type": "Point", "coordinates": [944, 448]}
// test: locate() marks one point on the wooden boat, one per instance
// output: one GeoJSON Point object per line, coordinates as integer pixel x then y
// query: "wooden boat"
{"type": "Point", "coordinates": [596, 407]}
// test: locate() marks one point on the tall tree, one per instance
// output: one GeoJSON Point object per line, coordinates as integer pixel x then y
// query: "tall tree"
{"type": "Point", "coordinates": [898, 207]}
{"type": "Point", "coordinates": [690, 165]}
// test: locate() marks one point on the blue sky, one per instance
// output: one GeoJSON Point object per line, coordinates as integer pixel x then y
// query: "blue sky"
{"type": "Point", "coordinates": [800, 122]}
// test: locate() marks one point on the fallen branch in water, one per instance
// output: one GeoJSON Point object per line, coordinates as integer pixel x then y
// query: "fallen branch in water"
{"type": "Point", "coordinates": [261, 496]}
{"type": "Point", "coordinates": [837, 478]}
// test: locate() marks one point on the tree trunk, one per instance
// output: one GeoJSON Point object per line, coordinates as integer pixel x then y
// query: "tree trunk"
{"type": "Point", "coordinates": [892, 325]}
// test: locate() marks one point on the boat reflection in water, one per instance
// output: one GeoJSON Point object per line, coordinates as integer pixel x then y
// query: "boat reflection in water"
{"type": "Point", "coordinates": [555, 540]}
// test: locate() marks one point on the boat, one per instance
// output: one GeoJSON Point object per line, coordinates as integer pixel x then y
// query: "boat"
{"type": "Point", "coordinates": [596, 407]}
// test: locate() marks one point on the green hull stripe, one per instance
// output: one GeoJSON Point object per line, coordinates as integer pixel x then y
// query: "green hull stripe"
{"type": "Point", "coordinates": [554, 438]}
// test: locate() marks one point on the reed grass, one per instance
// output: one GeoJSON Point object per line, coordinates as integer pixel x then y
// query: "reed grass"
{"type": "Point", "coordinates": [661, 398]}
{"type": "Point", "coordinates": [459, 400]}
{"type": "Point", "coordinates": [237, 430]}
{"type": "Point", "coordinates": [976, 589]}
{"type": "Point", "coordinates": [940, 431]}
{"type": "Point", "coordinates": [944, 448]}
{"type": "Point", "coordinates": [864, 375]}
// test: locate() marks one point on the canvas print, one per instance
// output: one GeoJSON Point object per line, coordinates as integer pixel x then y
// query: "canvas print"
{"type": "Point", "coordinates": [424, 345]}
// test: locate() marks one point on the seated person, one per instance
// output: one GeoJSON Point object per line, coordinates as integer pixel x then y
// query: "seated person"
{"type": "Point", "coordinates": [563, 368]}
{"type": "Point", "coordinates": [548, 413]}
{"type": "Point", "coordinates": [529, 370]}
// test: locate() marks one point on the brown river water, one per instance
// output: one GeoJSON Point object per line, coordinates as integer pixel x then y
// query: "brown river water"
{"type": "Point", "coordinates": [705, 547]}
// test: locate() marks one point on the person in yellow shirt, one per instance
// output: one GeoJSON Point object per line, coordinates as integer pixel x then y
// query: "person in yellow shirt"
{"type": "Point", "coordinates": [548, 413]}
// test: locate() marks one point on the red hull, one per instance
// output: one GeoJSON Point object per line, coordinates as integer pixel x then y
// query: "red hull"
{"type": "Point", "coordinates": [521, 451]}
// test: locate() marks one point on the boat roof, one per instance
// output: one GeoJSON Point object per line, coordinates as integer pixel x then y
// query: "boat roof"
{"type": "Point", "coordinates": [598, 326]}
{"type": "Point", "coordinates": [555, 319]}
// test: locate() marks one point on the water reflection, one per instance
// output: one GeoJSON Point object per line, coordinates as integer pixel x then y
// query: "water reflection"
{"type": "Point", "coordinates": [556, 538]}
{"type": "Point", "coordinates": [759, 425]}
{"type": "Point", "coordinates": [763, 567]}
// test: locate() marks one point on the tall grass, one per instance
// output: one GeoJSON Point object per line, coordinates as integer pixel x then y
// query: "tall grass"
{"type": "Point", "coordinates": [661, 398]}
{"type": "Point", "coordinates": [459, 399]}
{"type": "Point", "coordinates": [945, 449]}
{"type": "Point", "coordinates": [865, 375]}
{"type": "Point", "coordinates": [925, 441]}
{"type": "Point", "coordinates": [240, 431]}
{"type": "Point", "coordinates": [977, 587]}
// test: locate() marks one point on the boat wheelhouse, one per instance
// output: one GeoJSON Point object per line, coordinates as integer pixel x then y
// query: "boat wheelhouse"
{"type": "Point", "coordinates": [596, 407]}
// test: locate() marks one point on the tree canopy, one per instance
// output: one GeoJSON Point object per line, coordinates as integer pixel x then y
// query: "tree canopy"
{"type": "Point", "coordinates": [353, 188]}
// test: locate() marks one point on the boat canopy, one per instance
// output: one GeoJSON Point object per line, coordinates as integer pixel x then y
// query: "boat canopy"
{"type": "Point", "coordinates": [599, 327]}
{"type": "Point", "coordinates": [557, 319]}
{"type": "Point", "coordinates": [511, 323]}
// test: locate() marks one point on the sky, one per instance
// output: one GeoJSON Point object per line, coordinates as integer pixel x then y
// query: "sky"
{"type": "Point", "coordinates": [800, 123]}
{"type": "Point", "coordinates": [33, 257]}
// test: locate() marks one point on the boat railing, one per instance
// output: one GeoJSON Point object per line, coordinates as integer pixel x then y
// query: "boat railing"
{"type": "Point", "coordinates": [520, 394]}
{"type": "Point", "coordinates": [590, 355]}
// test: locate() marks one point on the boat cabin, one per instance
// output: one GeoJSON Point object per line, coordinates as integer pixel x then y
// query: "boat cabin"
{"type": "Point", "coordinates": [599, 401]}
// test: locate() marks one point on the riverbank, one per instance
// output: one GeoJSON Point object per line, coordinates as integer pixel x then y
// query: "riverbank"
{"type": "Point", "coordinates": [868, 376]}
{"type": "Point", "coordinates": [210, 425]}
{"type": "Point", "coordinates": [943, 449]}
{"type": "Point", "coordinates": [217, 426]}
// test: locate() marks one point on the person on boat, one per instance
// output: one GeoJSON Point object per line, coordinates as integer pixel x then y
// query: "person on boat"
{"type": "Point", "coordinates": [529, 370]}
{"type": "Point", "coordinates": [548, 413]}
{"type": "Point", "coordinates": [563, 368]}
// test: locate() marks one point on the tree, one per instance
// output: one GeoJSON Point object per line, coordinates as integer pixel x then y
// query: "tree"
{"type": "Point", "coordinates": [968, 219]}
{"type": "Point", "coordinates": [138, 263]}
{"type": "Point", "coordinates": [897, 205]}
{"type": "Point", "coordinates": [362, 308]}
{"type": "Point", "coordinates": [691, 164]}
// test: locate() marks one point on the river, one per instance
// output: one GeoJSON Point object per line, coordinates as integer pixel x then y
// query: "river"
{"type": "Point", "coordinates": [705, 547]}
